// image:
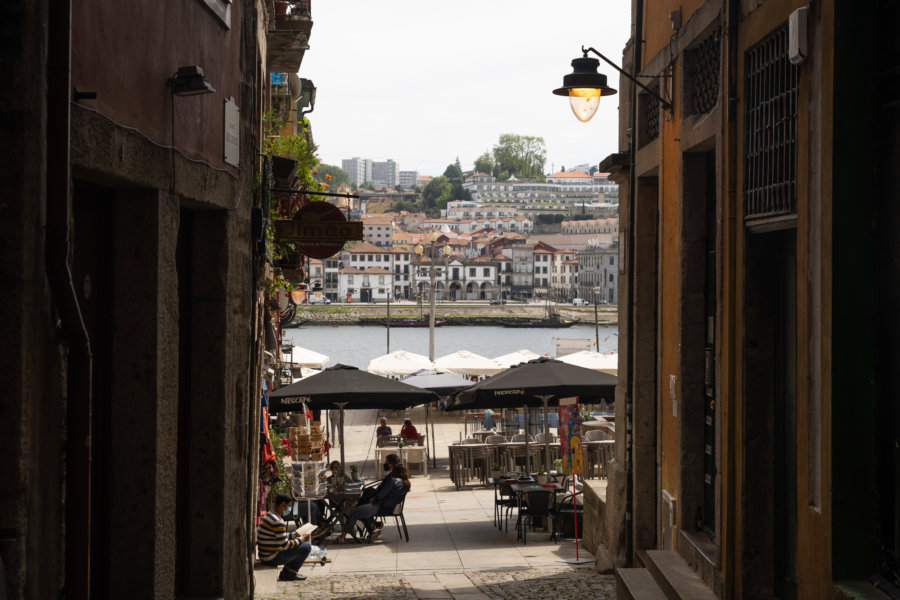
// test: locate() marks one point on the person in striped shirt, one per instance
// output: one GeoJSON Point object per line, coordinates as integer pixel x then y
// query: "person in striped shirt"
{"type": "Point", "coordinates": [277, 547]}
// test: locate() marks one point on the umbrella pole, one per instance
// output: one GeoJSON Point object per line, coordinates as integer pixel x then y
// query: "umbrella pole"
{"type": "Point", "coordinates": [341, 418]}
{"type": "Point", "coordinates": [527, 450]}
{"type": "Point", "coordinates": [546, 400]}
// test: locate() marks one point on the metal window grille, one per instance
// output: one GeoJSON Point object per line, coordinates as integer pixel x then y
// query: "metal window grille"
{"type": "Point", "coordinates": [651, 117]}
{"type": "Point", "coordinates": [706, 75]}
{"type": "Point", "coordinates": [770, 139]}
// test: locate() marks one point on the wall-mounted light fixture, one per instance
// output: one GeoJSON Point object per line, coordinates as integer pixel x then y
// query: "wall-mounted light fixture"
{"type": "Point", "coordinates": [189, 81]}
{"type": "Point", "coordinates": [307, 98]}
{"type": "Point", "coordinates": [584, 86]}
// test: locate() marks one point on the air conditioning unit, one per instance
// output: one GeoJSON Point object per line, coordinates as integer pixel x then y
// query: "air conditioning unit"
{"type": "Point", "coordinates": [667, 521]}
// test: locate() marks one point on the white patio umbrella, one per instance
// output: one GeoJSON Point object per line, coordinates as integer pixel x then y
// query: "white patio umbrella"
{"type": "Point", "coordinates": [463, 362]}
{"type": "Point", "coordinates": [607, 363]}
{"type": "Point", "coordinates": [399, 362]}
{"type": "Point", "coordinates": [515, 358]}
{"type": "Point", "coordinates": [303, 357]}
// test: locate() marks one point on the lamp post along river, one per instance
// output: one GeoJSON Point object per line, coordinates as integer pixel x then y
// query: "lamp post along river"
{"type": "Point", "coordinates": [432, 275]}
{"type": "Point", "coordinates": [444, 253]}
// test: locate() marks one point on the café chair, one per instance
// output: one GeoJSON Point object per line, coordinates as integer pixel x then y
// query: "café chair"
{"type": "Point", "coordinates": [566, 511]}
{"type": "Point", "coordinates": [397, 513]}
{"type": "Point", "coordinates": [535, 504]}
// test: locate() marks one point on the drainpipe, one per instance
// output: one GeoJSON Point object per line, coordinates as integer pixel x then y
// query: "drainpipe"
{"type": "Point", "coordinates": [629, 338]}
{"type": "Point", "coordinates": [58, 235]}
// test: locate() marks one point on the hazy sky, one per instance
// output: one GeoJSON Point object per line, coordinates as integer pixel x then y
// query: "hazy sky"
{"type": "Point", "coordinates": [425, 81]}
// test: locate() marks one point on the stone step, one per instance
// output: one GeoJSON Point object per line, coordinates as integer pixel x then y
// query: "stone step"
{"type": "Point", "coordinates": [637, 584]}
{"type": "Point", "coordinates": [675, 577]}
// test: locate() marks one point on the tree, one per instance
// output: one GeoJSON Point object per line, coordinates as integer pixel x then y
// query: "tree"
{"type": "Point", "coordinates": [484, 163]}
{"type": "Point", "coordinates": [437, 191]}
{"type": "Point", "coordinates": [338, 175]}
{"type": "Point", "coordinates": [453, 173]}
{"type": "Point", "coordinates": [458, 165]}
{"type": "Point", "coordinates": [520, 155]}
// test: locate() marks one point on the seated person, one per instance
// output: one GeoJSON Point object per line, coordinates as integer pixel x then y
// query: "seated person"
{"type": "Point", "coordinates": [277, 547]}
{"type": "Point", "coordinates": [335, 468]}
{"type": "Point", "coordinates": [389, 494]}
{"type": "Point", "coordinates": [409, 432]}
{"type": "Point", "coordinates": [383, 429]}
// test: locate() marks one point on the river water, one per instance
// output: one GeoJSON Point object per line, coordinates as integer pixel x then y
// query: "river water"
{"type": "Point", "coordinates": [357, 345]}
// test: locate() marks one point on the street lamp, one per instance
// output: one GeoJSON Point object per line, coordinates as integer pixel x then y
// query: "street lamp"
{"type": "Point", "coordinates": [584, 85]}
{"type": "Point", "coordinates": [432, 275]}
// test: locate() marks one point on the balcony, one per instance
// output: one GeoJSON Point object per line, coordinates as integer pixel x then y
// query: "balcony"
{"type": "Point", "coordinates": [288, 36]}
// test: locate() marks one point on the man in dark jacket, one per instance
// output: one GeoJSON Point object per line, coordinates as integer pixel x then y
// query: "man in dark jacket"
{"type": "Point", "coordinates": [387, 495]}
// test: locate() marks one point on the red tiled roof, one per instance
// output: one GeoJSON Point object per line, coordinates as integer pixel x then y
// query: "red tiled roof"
{"type": "Point", "coordinates": [366, 247]}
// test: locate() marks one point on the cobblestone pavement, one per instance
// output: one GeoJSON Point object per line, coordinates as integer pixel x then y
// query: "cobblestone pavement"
{"type": "Point", "coordinates": [501, 584]}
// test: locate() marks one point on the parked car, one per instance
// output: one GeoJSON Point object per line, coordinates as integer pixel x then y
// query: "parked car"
{"type": "Point", "coordinates": [498, 301]}
{"type": "Point", "coordinates": [319, 300]}
{"type": "Point", "coordinates": [579, 302]}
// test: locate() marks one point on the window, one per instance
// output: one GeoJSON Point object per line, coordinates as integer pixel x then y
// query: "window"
{"type": "Point", "coordinates": [471, 272]}
{"type": "Point", "coordinates": [612, 260]}
{"type": "Point", "coordinates": [349, 279]}
{"type": "Point", "coordinates": [381, 280]}
{"type": "Point", "coordinates": [610, 277]}
{"type": "Point", "coordinates": [487, 272]}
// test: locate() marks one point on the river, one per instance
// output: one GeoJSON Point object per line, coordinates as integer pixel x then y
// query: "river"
{"type": "Point", "coordinates": [356, 345]}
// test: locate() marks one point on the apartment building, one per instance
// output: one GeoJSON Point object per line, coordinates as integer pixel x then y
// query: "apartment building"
{"type": "Point", "coordinates": [562, 192]}
{"type": "Point", "coordinates": [598, 272]}
{"type": "Point", "coordinates": [408, 179]}
{"type": "Point", "coordinates": [379, 230]}
{"type": "Point", "coordinates": [609, 225]}
{"type": "Point", "coordinates": [359, 169]}
{"type": "Point", "coordinates": [385, 174]}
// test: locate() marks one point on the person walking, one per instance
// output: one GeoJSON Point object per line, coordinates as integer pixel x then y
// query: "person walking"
{"type": "Point", "coordinates": [277, 547]}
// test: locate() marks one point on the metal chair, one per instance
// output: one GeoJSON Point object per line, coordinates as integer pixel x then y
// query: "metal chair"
{"type": "Point", "coordinates": [495, 439]}
{"type": "Point", "coordinates": [397, 513]}
{"type": "Point", "coordinates": [567, 509]}
{"type": "Point", "coordinates": [521, 437]}
{"type": "Point", "coordinates": [542, 438]}
{"type": "Point", "coordinates": [534, 504]}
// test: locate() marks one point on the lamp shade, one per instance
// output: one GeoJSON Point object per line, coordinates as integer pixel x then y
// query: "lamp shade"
{"type": "Point", "coordinates": [584, 86]}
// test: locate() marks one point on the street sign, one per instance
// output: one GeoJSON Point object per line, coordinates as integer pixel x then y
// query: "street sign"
{"type": "Point", "coordinates": [319, 230]}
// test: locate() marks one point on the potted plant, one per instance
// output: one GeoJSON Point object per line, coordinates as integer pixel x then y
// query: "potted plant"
{"type": "Point", "coordinates": [496, 471]}
{"type": "Point", "coordinates": [558, 463]}
{"type": "Point", "coordinates": [541, 475]}
{"type": "Point", "coordinates": [354, 471]}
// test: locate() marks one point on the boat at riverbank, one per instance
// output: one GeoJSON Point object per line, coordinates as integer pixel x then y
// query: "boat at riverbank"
{"type": "Point", "coordinates": [412, 323]}
{"type": "Point", "coordinates": [546, 323]}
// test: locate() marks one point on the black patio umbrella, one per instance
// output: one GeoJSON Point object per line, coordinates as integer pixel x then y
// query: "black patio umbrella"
{"type": "Point", "coordinates": [539, 382]}
{"type": "Point", "coordinates": [442, 384]}
{"type": "Point", "coordinates": [343, 387]}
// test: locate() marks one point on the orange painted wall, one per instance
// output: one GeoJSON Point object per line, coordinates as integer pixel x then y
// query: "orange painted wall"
{"type": "Point", "coordinates": [657, 26]}
{"type": "Point", "coordinates": [670, 289]}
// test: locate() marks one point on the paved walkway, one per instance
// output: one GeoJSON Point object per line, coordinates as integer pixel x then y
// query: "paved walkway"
{"type": "Point", "coordinates": [453, 552]}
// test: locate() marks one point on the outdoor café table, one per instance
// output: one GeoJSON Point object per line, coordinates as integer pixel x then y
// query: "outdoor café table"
{"type": "Point", "coordinates": [521, 489]}
{"type": "Point", "coordinates": [497, 483]}
{"type": "Point", "coordinates": [341, 502]}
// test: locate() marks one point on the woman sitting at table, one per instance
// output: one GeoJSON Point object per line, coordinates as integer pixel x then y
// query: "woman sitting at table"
{"type": "Point", "coordinates": [383, 430]}
{"type": "Point", "coordinates": [390, 493]}
{"type": "Point", "coordinates": [408, 432]}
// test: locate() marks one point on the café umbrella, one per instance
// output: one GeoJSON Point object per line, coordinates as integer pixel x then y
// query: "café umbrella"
{"type": "Point", "coordinates": [343, 387]}
{"type": "Point", "coordinates": [538, 382]}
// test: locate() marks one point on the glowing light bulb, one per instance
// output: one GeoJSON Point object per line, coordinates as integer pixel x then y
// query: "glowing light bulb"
{"type": "Point", "coordinates": [584, 102]}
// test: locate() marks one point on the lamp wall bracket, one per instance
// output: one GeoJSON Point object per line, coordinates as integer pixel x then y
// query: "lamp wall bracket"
{"type": "Point", "coordinates": [665, 104]}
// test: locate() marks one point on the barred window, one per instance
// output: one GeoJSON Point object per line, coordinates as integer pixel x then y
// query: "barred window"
{"type": "Point", "coordinates": [706, 74]}
{"type": "Point", "coordinates": [770, 130]}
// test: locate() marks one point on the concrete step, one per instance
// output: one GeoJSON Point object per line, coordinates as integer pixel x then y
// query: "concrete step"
{"type": "Point", "coordinates": [637, 584]}
{"type": "Point", "coordinates": [675, 577]}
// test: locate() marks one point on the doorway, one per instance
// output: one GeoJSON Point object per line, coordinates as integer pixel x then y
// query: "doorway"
{"type": "Point", "coordinates": [769, 499]}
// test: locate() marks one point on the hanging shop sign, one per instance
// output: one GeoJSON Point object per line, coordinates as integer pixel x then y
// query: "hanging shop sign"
{"type": "Point", "coordinates": [319, 230]}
